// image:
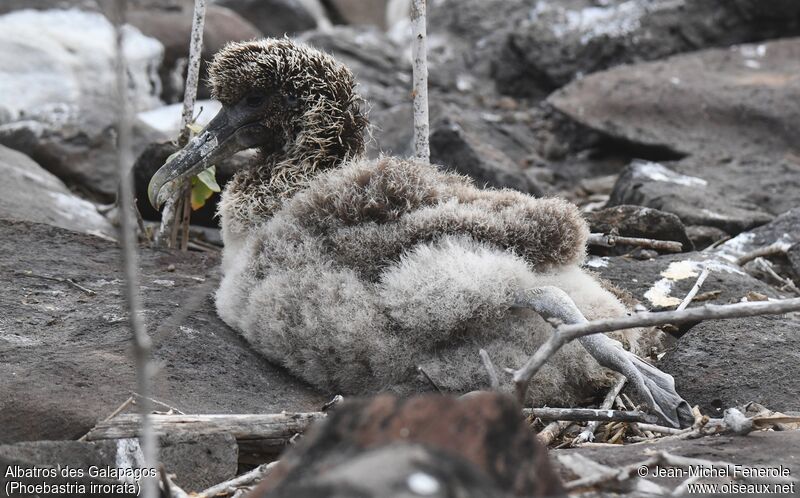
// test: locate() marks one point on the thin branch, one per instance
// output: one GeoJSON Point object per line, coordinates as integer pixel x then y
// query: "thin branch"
{"type": "Point", "coordinates": [142, 343]}
{"type": "Point", "coordinates": [586, 414]}
{"type": "Point", "coordinates": [249, 479]}
{"type": "Point", "coordinates": [603, 240]}
{"type": "Point", "coordinates": [68, 281]}
{"type": "Point", "coordinates": [167, 484]}
{"type": "Point", "coordinates": [125, 404]}
{"type": "Point", "coordinates": [155, 402]}
{"type": "Point", "coordinates": [693, 291]}
{"type": "Point", "coordinates": [775, 249]}
{"type": "Point", "coordinates": [568, 332]}
{"type": "Point", "coordinates": [419, 52]}
{"type": "Point", "coordinates": [547, 435]}
{"type": "Point", "coordinates": [494, 380]}
{"type": "Point", "coordinates": [588, 433]}
{"type": "Point", "coordinates": [661, 429]}
{"type": "Point", "coordinates": [178, 201]}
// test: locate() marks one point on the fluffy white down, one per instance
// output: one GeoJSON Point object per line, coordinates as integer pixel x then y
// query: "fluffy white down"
{"type": "Point", "coordinates": [434, 308]}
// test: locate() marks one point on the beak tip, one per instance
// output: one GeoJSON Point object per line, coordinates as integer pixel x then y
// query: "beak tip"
{"type": "Point", "coordinates": [153, 191]}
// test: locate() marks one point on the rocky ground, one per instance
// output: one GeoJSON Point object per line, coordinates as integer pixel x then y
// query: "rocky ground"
{"type": "Point", "coordinates": [664, 119]}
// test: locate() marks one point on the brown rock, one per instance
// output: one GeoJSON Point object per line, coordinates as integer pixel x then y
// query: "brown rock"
{"type": "Point", "coordinates": [484, 432]}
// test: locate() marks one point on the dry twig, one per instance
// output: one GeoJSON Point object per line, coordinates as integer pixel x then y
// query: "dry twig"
{"type": "Point", "coordinates": [419, 52]}
{"type": "Point", "coordinates": [142, 343]}
{"type": "Point", "coordinates": [245, 480]}
{"type": "Point", "coordinates": [693, 291]}
{"type": "Point", "coordinates": [588, 433]}
{"type": "Point", "coordinates": [774, 249]}
{"type": "Point", "coordinates": [177, 208]}
{"type": "Point", "coordinates": [62, 280]}
{"type": "Point", "coordinates": [587, 414]}
{"type": "Point", "coordinates": [604, 240]}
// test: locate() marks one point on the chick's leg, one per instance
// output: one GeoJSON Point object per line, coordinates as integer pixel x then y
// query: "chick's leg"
{"type": "Point", "coordinates": [655, 387]}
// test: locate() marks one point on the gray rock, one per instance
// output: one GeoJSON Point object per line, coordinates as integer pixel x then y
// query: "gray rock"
{"type": "Point", "coordinates": [662, 283]}
{"type": "Point", "coordinates": [199, 462]}
{"type": "Point", "coordinates": [695, 103]}
{"type": "Point", "coordinates": [723, 363]}
{"type": "Point", "coordinates": [60, 92]}
{"type": "Point", "coordinates": [173, 29]}
{"type": "Point", "coordinates": [12, 5]}
{"type": "Point", "coordinates": [794, 259]}
{"type": "Point", "coordinates": [58, 67]}
{"type": "Point", "coordinates": [29, 193]}
{"type": "Point", "coordinates": [382, 73]}
{"type": "Point", "coordinates": [703, 236]}
{"type": "Point", "coordinates": [638, 221]}
{"type": "Point", "coordinates": [358, 12]}
{"type": "Point", "coordinates": [693, 199]}
{"type": "Point", "coordinates": [783, 231]}
{"type": "Point", "coordinates": [726, 108]}
{"type": "Point", "coordinates": [457, 149]}
{"type": "Point", "coordinates": [274, 17]}
{"type": "Point", "coordinates": [392, 131]}
{"type": "Point", "coordinates": [83, 157]}
{"type": "Point", "coordinates": [65, 356]}
{"type": "Point", "coordinates": [561, 40]}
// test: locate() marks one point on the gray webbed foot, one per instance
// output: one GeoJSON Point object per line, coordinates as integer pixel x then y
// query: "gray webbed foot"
{"type": "Point", "coordinates": [654, 386]}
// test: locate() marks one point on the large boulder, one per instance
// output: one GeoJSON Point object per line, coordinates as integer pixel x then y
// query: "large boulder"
{"type": "Point", "coordinates": [57, 84]}
{"type": "Point", "coordinates": [638, 221]}
{"type": "Point", "coordinates": [459, 150]}
{"type": "Point", "coordinates": [696, 103]}
{"type": "Point", "coordinates": [358, 12]}
{"type": "Point", "coordinates": [173, 29]}
{"type": "Point", "coordinates": [58, 66]}
{"type": "Point", "coordinates": [662, 283]}
{"type": "Point", "coordinates": [693, 199]}
{"type": "Point", "coordinates": [277, 17]}
{"type": "Point", "coordinates": [561, 40]}
{"type": "Point", "coordinates": [84, 158]}
{"type": "Point", "coordinates": [66, 350]}
{"type": "Point", "coordinates": [382, 72]}
{"type": "Point", "coordinates": [30, 193]}
{"type": "Point", "coordinates": [723, 363]}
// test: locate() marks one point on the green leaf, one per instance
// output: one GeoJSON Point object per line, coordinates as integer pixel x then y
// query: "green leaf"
{"type": "Point", "coordinates": [200, 194]}
{"type": "Point", "coordinates": [208, 177]}
{"type": "Point", "coordinates": [203, 187]}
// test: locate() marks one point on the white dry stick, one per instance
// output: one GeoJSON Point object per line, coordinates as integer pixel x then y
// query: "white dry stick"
{"type": "Point", "coordinates": [142, 343]}
{"type": "Point", "coordinates": [693, 292]}
{"type": "Point", "coordinates": [566, 333]}
{"type": "Point", "coordinates": [588, 433]}
{"type": "Point", "coordinates": [249, 479]}
{"type": "Point", "coordinates": [419, 52]}
{"type": "Point", "coordinates": [171, 215]}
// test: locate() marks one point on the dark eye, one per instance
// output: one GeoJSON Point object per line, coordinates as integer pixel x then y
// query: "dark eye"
{"type": "Point", "coordinates": [254, 100]}
{"type": "Point", "coordinates": [292, 101]}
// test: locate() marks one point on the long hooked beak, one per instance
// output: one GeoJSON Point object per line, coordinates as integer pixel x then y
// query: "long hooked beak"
{"type": "Point", "coordinates": [224, 136]}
